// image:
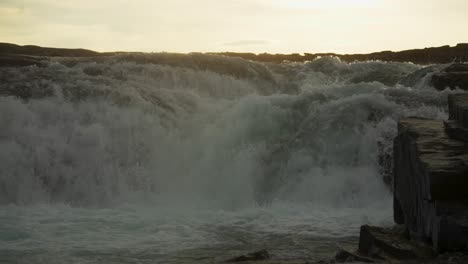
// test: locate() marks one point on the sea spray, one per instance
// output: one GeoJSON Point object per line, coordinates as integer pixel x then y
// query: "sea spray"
{"type": "Point", "coordinates": [191, 152]}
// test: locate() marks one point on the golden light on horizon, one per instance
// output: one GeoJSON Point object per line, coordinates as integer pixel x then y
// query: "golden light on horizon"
{"type": "Point", "coordinates": [327, 4]}
{"type": "Point", "coordinates": [274, 26]}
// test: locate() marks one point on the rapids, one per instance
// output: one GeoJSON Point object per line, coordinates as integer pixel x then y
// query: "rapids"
{"type": "Point", "coordinates": [170, 158]}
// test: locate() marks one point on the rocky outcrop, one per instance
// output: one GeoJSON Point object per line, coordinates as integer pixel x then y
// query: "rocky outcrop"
{"type": "Point", "coordinates": [431, 183]}
{"type": "Point", "coordinates": [453, 76]}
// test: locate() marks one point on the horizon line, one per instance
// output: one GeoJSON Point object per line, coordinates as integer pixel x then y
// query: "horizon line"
{"type": "Point", "coordinates": [235, 52]}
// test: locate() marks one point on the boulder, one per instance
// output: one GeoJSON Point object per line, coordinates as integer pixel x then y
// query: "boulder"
{"type": "Point", "coordinates": [431, 183]}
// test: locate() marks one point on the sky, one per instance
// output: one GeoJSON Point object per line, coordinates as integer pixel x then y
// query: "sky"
{"type": "Point", "coordinates": [274, 26]}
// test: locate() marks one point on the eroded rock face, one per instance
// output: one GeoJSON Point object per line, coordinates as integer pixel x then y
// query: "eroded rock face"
{"type": "Point", "coordinates": [431, 183]}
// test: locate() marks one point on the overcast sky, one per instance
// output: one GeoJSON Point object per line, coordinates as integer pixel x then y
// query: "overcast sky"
{"type": "Point", "coordinates": [275, 26]}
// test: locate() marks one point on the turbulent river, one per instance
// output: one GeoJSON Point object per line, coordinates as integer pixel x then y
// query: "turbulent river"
{"type": "Point", "coordinates": [167, 158]}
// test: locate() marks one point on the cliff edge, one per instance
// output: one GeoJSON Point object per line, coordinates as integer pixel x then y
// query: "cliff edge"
{"type": "Point", "coordinates": [431, 183]}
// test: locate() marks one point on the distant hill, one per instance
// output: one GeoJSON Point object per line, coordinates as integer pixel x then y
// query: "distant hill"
{"type": "Point", "coordinates": [7, 48]}
{"type": "Point", "coordinates": [444, 54]}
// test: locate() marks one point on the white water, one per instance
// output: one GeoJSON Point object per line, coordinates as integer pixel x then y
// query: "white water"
{"type": "Point", "coordinates": [198, 158]}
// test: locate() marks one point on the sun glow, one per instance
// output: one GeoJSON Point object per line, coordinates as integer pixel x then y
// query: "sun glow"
{"type": "Point", "coordinates": [274, 26]}
{"type": "Point", "coordinates": [327, 4]}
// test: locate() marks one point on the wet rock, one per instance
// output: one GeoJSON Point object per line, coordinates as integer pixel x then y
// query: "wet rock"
{"type": "Point", "coordinates": [456, 131]}
{"type": "Point", "coordinates": [344, 256]}
{"type": "Point", "coordinates": [255, 256]}
{"type": "Point", "coordinates": [457, 125]}
{"type": "Point", "coordinates": [431, 183]}
{"type": "Point", "coordinates": [390, 243]}
{"type": "Point", "coordinates": [454, 76]}
{"type": "Point", "coordinates": [385, 161]}
{"type": "Point", "coordinates": [458, 108]}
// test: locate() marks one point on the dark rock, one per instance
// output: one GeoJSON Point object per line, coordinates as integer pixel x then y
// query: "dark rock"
{"type": "Point", "coordinates": [398, 215]}
{"type": "Point", "coordinates": [457, 67]}
{"type": "Point", "coordinates": [454, 76]}
{"type": "Point", "coordinates": [458, 108]}
{"type": "Point", "coordinates": [430, 183]}
{"type": "Point", "coordinates": [457, 125]}
{"type": "Point", "coordinates": [255, 256]}
{"type": "Point", "coordinates": [385, 161]}
{"type": "Point", "coordinates": [456, 131]}
{"type": "Point", "coordinates": [392, 243]}
{"type": "Point", "coordinates": [452, 80]}
{"type": "Point", "coordinates": [343, 256]}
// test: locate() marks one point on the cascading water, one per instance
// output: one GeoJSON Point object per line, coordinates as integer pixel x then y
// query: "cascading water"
{"type": "Point", "coordinates": [195, 158]}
